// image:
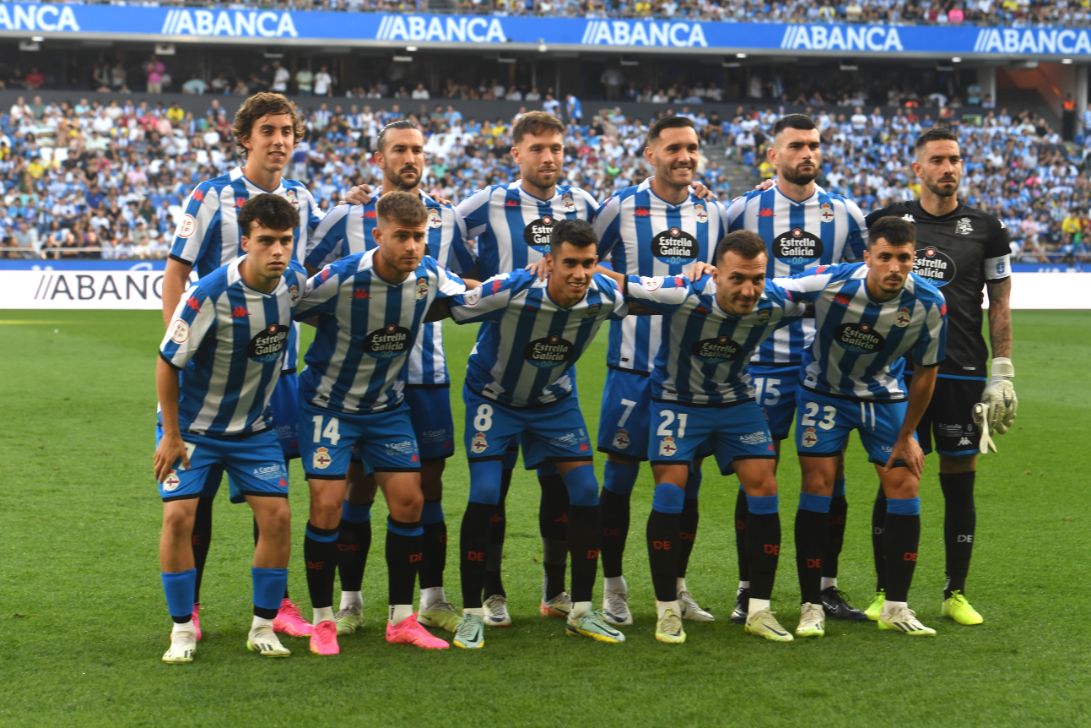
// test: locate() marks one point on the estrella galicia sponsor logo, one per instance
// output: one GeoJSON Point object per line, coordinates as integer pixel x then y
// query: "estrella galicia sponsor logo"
{"type": "Point", "coordinates": [230, 23]}
{"type": "Point", "coordinates": [758, 437]}
{"type": "Point", "coordinates": [841, 38]}
{"type": "Point", "coordinates": [675, 246]}
{"type": "Point", "coordinates": [388, 342]}
{"type": "Point", "coordinates": [45, 17]}
{"type": "Point", "coordinates": [859, 338]}
{"type": "Point", "coordinates": [405, 447]}
{"type": "Point", "coordinates": [552, 351]}
{"type": "Point", "coordinates": [449, 29]}
{"type": "Point", "coordinates": [268, 344]}
{"type": "Point", "coordinates": [273, 471]}
{"type": "Point", "coordinates": [537, 233]}
{"type": "Point", "coordinates": [797, 246]}
{"type": "Point", "coordinates": [661, 33]}
{"type": "Point", "coordinates": [722, 348]}
{"type": "Point", "coordinates": [935, 265]}
{"type": "Point", "coordinates": [1033, 41]}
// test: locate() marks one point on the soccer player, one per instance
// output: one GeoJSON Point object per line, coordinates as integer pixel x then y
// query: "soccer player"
{"type": "Point", "coordinates": [512, 223]}
{"type": "Point", "coordinates": [655, 228]}
{"type": "Point", "coordinates": [867, 317]}
{"type": "Point", "coordinates": [961, 250]}
{"type": "Point", "coordinates": [700, 392]}
{"type": "Point", "coordinates": [520, 387]}
{"type": "Point", "coordinates": [350, 229]}
{"type": "Point", "coordinates": [368, 309]}
{"type": "Point", "coordinates": [219, 364]}
{"type": "Point", "coordinates": [803, 226]}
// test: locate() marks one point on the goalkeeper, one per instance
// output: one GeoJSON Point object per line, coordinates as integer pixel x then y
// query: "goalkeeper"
{"type": "Point", "coordinates": [963, 251]}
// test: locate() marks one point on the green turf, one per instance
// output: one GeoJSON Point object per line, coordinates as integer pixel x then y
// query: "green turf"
{"type": "Point", "coordinates": [83, 620]}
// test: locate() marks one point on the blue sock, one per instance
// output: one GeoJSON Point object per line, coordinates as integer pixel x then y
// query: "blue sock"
{"type": "Point", "coordinates": [903, 506]}
{"type": "Point", "coordinates": [268, 589]}
{"type": "Point", "coordinates": [814, 503]}
{"type": "Point", "coordinates": [763, 505]}
{"type": "Point", "coordinates": [179, 587]}
{"type": "Point", "coordinates": [620, 478]}
{"type": "Point", "coordinates": [668, 498]}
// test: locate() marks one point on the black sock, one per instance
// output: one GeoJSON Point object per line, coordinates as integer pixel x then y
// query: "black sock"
{"type": "Point", "coordinates": [662, 536]}
{"type": "Point", "coordinates": [901, 539]}
{"type": "Point", "coordinates": [687, 534]}
{"type": "Point", "coordinates": [742, 513]}
{"type": "Point", "coordinates": [584, 536]}
{"type": "Point", "coordinates": [435, 549]}
{"type": "Point", "coordinates": [878, 523]}
{"type": "Point", "coordinates": [812, 534]}
{"type": "Point", "coordinates": [353, 545]}
{"type": "Point", "coordinates": [553, 526]}
{"type": "Point", "coordinates": [493, 583]}
{"type": "Point", "coordinates": [320, 555]}
{"type": "Point", "coordinates": [201, 539]}
{"type": "Point", "coordinates": [473, 544]}
{"type": "Point", "coordinates": [614, 514]}
{"type": "Point", "coordinates": [404, 552]}
{"type": "Point", "coordinates": [959, 525]}
{"type": "Point", "coordinates": [763, 552]}
{"type": "Point", "coordinates": [838, 510]}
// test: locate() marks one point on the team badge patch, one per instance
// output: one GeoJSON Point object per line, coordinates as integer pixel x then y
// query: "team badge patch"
{"type": "Point", "coordinates": [179, 331]}
{"type": "Point", "coordinates": [422, 288]}
{"type": "Point", "coordinates": [434, 219]}
{"type": "Point", "coordinates": [171, 483]}
{"type": "Point", "coordinates": [963, 226]}
{"type": "Point", "coordinates": [700, 213]}
{"type": "Point", "coordinates": [825, 211]}
{"type": "Point", "coordinates": [621, 440]}
{"type": "Point", "coordinates": [187, 226]}
{"type": "Point", "coordinates": [650, 284]}
{"type": "Point", "coordinates": [293, 293]}
{"type": "Point", "coordinates": [667, 446]}
{"type": "Point", "coordinates": [321, 459]}
{"type": "Point", "coordinates": [902, 318]}
{"type": "Point", "coordinates": [472, 297]}
{"type": "Point", "coordinates": [810, 437]}
{"type": "Point", "coordinates": [567, 202]}
{"type": "Point", "coordinates": [479, 444]}
{"type": "Point", "coordinates": [592, 310]}
{"type": "Point", "coordinates": [293, 198]}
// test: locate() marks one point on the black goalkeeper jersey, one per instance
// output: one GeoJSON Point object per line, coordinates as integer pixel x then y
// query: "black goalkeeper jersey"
{"type": "Point", "coordinates": [958, 253]}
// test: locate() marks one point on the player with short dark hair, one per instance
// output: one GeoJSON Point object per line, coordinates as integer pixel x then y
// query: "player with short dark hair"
{"type": "Point", "coordinates": [219, 363]}
{"type": "Point", "coordinates": [656, 228]}
{"type": "Point", "coordinates": [803, 226]}
{"type": "Point", "coordinates": [368, 309]}
{"type": "Point", "coordinates": [867, 317]}
{"type": "Point", "coordinates": [963, 251]}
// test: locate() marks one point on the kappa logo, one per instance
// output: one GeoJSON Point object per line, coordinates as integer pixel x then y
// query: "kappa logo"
{"type": "Point", "coordinates": [965, 442]}
{"type": "Point", "coordinates": [321, 458]}
{"type": "Point", "coordinates": [766, 212]}
{"type": "Point", "coordinates": [239, 312]}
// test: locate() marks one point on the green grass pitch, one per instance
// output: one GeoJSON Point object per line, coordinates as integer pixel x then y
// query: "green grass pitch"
{"type": "Point", "coordinates": [83, 620]}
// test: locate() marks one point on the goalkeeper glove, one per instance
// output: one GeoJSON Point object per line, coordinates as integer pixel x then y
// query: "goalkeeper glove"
{"type": "Point", "coordinates": [999, 396]}
{"type": "Point", "coordinates": [981, 419]}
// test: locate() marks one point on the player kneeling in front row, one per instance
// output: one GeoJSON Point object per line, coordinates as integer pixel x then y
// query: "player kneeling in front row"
{"type": "Point", "coordinates": [867, 317]}
{"type": "Point", "coordinates": [368, 309]}
{"type": "Point", "coordinates": [219, 363]}
{"type": "Point", "coordinates": [702, 395]}
{"type": "Point", "coordinates": [519, 388]}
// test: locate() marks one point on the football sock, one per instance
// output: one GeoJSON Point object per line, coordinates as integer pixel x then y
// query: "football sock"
{"type": "Point", "coordinates": [398, 612]}
{"type": "Point", "coordinates": [268, 585]}
{"type": "Point", "coordinates": [493, 583]}
{"type": "Point", "coordinates": [353, 544]}
{"type": "Point", "coordinates": [201, 539]}
{"type": "Point", "coordinates": [553, 525]}
{"type": "Point", "coordinates": [178, 587]}
{"type": "Point", "coordinates": [435, 544]}
{"type": "Point", "coordinates": [901, 539]}
{"type": "Point", "coordinates": [839, 508]}
{"type": "Point", "coordinates": [662, 535]}
{"type": "Point", "coordinates": [812, 533]}
{"type": "Point", "coordinates": [473, 542]}
{"type": "Point", "coordinates": [584, 533]}
{"type": "Point", "coordinates": [878, 523]}
{"type": "Point", "coordinates": [763, 544]}
{"type": "Point", "coordinates": [320, 557]}
{"type": "Point", "coordinates": [404, 551]}
{"type": "Point", "coordinates": [756, 605]}
{"type": "Point", "coordinates": [741, 514]}
{"type": "Point", "coordinates": [959, 526]}
{"type": "Point", "coordinates": [687, 535]}
{"type": "Point", "coordinates": [617, 487]}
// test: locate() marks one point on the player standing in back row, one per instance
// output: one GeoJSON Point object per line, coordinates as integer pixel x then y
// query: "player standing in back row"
{"type": "Point", "coordinates": [961, 250]}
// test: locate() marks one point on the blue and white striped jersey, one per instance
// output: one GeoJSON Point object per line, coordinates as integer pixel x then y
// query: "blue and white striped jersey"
{"type": "Point", "coordinates": [859, 342]}
{"type": "Point", "coordinates": [229, 341]}
{"type": "Point", "coordinates": [365, 330]}
{"type": "Point", "coordinates": [642, 234]}
{"type": "Point", "coordinates": [705, 353]}
{"type": "Point", "coordinates": [348, 229]}
{"type": "Point", "coordinates": [527, 344]}
{"type": "Point", "coordinates": [824, 229]}
{"type": "Point", "coordinates": [512, 226]}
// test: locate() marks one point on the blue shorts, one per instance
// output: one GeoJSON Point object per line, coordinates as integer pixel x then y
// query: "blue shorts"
{"type": "Point", "coordinates": [679, 433]}
{"type": "Point", "coordinates": [776, 390]}
{"type": "Point", "coordinates": [385, 438]}
{"type": "Point", "coordinates": [254, 465]}
{"type": "Point", "coordinates": [430, 413]}
{"type": "Point", "coordinates": [623, 421]}
{"type": "Point", "coordinates": [285, 407]}
{"type": "Point", "coordinates": [551, 432]}
{"type": "Point", "coordinates": [823, 424]}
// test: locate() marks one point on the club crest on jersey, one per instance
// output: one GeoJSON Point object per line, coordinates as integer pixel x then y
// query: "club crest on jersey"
{"type": "Point", "coordinates": [621, 440]}
{"type": "Point", "coordinates": [721, 348]}
{"type": "Point", "coordinates": [293, 198]}
{"type": "Point", "coordinates": [903, 317]}
{"type": "Point", "coordinates": [592, 310]}
{"type": "Point", "coordinates": [537, 233]}
{"type": "Point", "coordinates": [667, 447]}
{"type": "Point", "coordinates": [388, 342]}
{"type": "Point", "coordinates": [435, 221]}
{"type": "Point", "coordinates": [650, 283]}
{"type": "Point", "coordinates": [479, 444]}
{"type": "Point", "coordinates": [567, 203]}
{"type": "Point", "coordinates": [422, 288]}
{"type": "Point", "coordinates": [472, 297]}
{"type": "Point", "coordinates": [963, 226]}
{"type": "Point", "coordinates": [809, 438]}
{"type": "Point", "coordinates": [293, 293]}
{"type": "Point", "coordinates": [179, 331]}
{"type": "Point", "coordinates": [675, 246]}
{"type": "Point", "coordinates": [935, 266]}
{"type": "Point", "coordinates": [908, 217]}
{"type": "Point", "coordinates": [268, 344]}
{"type": "Point", "coordinates": [825, 212]}
{"type": "Point", "coordinates": [797, 247]}
{"type": "Point", "coordinates": [548, 352]}
{"type": "Point", "coordinates": [859, 338]}
{"type": "Point", "coordinates": [171, 482]}
{"type": "Point", "coordinates": [700, 213]}
{"type": "Point", "coordinates": [321, 459]}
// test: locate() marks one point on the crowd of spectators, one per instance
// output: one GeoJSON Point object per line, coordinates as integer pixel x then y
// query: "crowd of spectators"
{"type": "Point", "coordinates": [935, 12]}
{"type": "Point", "coordinates": [107, 180]}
